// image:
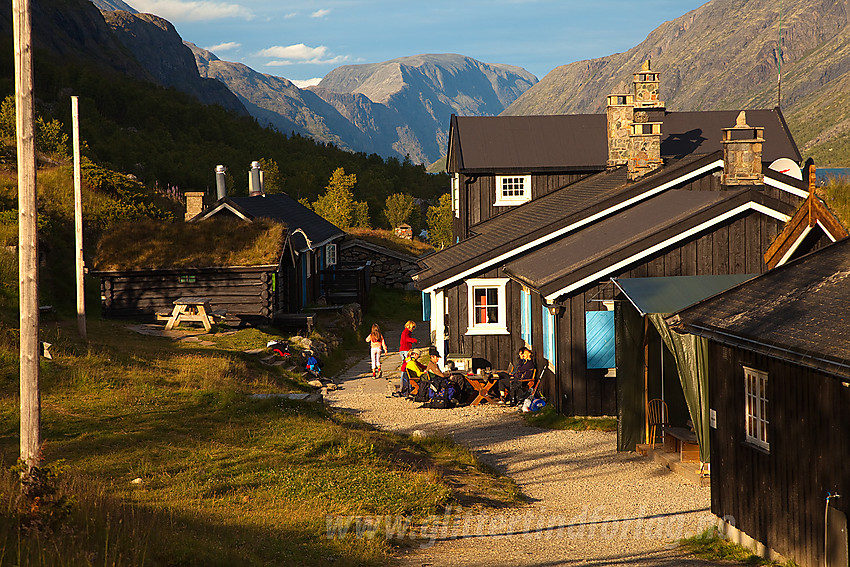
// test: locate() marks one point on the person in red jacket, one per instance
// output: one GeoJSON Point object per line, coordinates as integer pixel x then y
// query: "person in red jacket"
{"type": "Point", "coordinates": [407, 341]}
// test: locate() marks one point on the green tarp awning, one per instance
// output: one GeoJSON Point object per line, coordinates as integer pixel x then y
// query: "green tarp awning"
{"type": "Point", "coordinates": [656, 297]}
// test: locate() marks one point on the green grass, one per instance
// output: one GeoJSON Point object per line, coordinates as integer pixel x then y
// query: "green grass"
{"type": "Point", "coordinates": [837, 197]}
{"type": "Point", "coordinates": [394, 305]}
{"type": "Point", "coordinates": [711, 546]}
{"type": "Point", "coordinates": [224, 479]}
{"type": "Point", "coordinates": [548, 418]}
{"type": "Point", "coordinates": [388, 239]}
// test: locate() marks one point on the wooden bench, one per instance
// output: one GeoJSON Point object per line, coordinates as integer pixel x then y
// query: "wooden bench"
{"type": "Point", "coordinates": [683, 441]}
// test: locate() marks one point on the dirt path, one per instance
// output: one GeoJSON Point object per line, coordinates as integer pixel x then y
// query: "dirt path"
{"type": "Point", "coordinates": [588, 504]}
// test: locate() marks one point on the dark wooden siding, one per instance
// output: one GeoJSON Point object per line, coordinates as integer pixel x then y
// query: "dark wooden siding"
{"type": "Point", "coordinates": [478, 193]}
{"type": "Point", "coordinates": [245, 292]}
{"type": "Point", "coordinates": [778, 497]}
{"type": "Point", "coordinates": [732, 248]}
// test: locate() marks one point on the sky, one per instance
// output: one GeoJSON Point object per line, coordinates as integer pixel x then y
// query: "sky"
{"type": "Point", "coordinates": [304, 40]}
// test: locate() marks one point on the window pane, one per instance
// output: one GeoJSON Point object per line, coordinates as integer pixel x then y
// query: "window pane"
{"type": "Point", "coordinates": [492, 296]}
{"type": "Point", "coordinates": [492, 314]}
{"type": "Point", "coordinates": [480, 295]}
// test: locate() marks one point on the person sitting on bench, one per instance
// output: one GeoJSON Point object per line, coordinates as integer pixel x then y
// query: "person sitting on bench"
{"type": "Point", "coordinates": [511, 385]}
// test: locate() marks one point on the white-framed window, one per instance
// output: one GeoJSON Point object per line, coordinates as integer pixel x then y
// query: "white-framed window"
{"type": "Point", "coordinates": [456, 195]}
{"type": "Point", "coordinates": [330, 255]}
{"type": "Point", "coordinates": [755, 407]}
{"type": "Point", "coordinates": [487, 309]}
{"type": "Point", "coordinates": [512, 189]}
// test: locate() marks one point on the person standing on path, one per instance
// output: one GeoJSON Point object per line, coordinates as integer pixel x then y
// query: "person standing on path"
{"type": "Point", "coordinates": [407, 341]}
{"type": "Point", "coordinates": [377, 344]}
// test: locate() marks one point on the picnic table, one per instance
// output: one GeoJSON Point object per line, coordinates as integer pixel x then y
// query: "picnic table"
{"type": "Point", "coordinates": [192, 310]}
{"type": "Point", "coordinates": [483, 383]}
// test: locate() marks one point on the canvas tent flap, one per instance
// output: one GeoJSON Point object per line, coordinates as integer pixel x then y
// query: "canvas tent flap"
{"type": "Point", "coordinates": [656, 297]}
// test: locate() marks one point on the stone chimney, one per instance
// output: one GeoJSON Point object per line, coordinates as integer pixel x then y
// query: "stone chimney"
{"type": "Point", "coordinates": [194, 203]}
{"type": "Point", "coordinates": [620, 113]}
{"type": "Point", "coordinates": [742, 149]}
{"type": "Point", "coordinates": [646, 87]}
{"type": "Point", "coordinates": [644, 145]}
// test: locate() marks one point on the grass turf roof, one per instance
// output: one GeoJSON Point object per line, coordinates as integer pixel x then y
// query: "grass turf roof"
{"type": "Point", "coordinates": [209, 243]}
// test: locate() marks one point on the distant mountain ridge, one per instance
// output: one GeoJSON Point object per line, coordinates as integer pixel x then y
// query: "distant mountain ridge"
{"type": "Point", "coordinates": [725, 55]}
{"type": "Point", "coordinates": [399, 107]}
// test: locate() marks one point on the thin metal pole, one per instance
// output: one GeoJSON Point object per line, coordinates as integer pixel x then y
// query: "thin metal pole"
{"type": "Point", "coordinates": [27, 236]}
{"type": "Point", "coordinates": [78, 220]}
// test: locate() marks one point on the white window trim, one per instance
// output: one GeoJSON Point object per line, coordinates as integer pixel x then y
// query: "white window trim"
{"type": "Point", "coordinates": [512, 201]}
{"type": "Point", "coordinates": [456, 194]}
{"type": "Point", "coordinates": [760, 393]}
{"type": "Point", "coordinates": [487, 328]}
{"type": "Point", "coordinates": [330, 254]}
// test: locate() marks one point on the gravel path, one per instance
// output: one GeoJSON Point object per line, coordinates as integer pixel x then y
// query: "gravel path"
{"type": "Point", "coordinates": [589, 505]}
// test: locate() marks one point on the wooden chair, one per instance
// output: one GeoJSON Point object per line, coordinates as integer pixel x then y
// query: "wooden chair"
{"type": "Point", "coordinates": [413, 379]}
{"type": "Point", "coordinates": [656, 412]}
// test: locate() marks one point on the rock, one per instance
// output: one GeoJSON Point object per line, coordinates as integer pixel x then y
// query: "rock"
{"type": "Point", "coordinates": [137, 481]}
{"type": "Point", "coordinates": [419, 434]}
{"type": "Point", "coordinates": [332, 387]}
{"type": "Point", "coordinates": [315, 383]}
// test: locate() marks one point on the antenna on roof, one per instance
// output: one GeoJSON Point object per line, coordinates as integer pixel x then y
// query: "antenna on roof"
{"type": "Point", "coordinates": [779, 65]}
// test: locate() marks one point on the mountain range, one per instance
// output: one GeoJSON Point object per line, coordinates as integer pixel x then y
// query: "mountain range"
{"type": "Point", "coordinates": [726, 55]}
{"type": "Point", "coordinates": [398, 107]}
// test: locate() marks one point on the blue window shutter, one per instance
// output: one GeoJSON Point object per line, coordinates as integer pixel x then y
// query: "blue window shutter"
{"type": "Point", "coordinates": [525, 310]}
{"type": "Point", "coordinates": [544, 319]}
{"type": "Point", "coordinates": [599, 330]}
{"type": "Point", "coordinates": [426, 306]}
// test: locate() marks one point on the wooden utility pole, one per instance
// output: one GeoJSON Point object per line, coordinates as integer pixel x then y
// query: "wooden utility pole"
{"type": "Point", "coordinates": [27, 236]}
{"type": "Point", "coordinates": [78, 220]}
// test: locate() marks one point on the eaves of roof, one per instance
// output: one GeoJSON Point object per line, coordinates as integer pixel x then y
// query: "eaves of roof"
{"type": "Point", "coordinates": [645, 229]}
{"type": "Point", "coordinates": [551, 216]}
{"type": "Point", "coordinates": [796, 312]}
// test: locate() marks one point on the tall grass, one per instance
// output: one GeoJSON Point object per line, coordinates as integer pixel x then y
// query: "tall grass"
{"type": "Point", "coordinates": [222, 479]}
{"type": "Point", "coordinates": [836, 195]}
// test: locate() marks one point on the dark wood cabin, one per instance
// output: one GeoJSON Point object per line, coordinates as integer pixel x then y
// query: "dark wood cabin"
{"type": "Point", "coordinates": [779, 393]}
{"type": "Point", "coordinates": [248, 293]}
{"type": "Point", "coordinates": [636, 192]}
{"type": "Point", "coordinates": [247, 270]}
{"type": "Point", "coordinates": [314, 242]}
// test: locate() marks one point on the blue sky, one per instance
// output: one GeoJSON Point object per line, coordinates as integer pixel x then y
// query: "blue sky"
{"type": "Point", "coordinates": [304, 40]}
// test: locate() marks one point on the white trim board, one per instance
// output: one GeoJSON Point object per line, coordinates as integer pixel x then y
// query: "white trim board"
{"type": "Point", "coordinates": [223, 206]}
{"type": "Point", "coordinates": [785, 187]}
{"type": "Point", "coordinates": [670, 241]}
{"type": "Point", "coordinates": [718, 164]}
{"type": "Point", "coordinates": [800, 239]}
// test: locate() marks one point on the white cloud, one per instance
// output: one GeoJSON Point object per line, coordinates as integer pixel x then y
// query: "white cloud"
{"type": "Point", "coordinates": [306, 82]}
{"type": "Point", "coordinates": [320, 13]}
{"type": "Point", "coordinates": [192, 10]}
{"type": "Point", "coordinates": [300, 53]}
{"type": "Point", "coordinates": [290, 15]}
{"type": "Point", "coordinates": [226, 46]}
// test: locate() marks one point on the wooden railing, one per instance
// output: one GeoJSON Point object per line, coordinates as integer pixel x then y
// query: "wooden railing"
{"type": "Point", "coordinates": [346, 284]}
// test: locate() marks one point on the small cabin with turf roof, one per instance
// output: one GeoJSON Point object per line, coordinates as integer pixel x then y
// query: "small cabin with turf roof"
{"type": "Point", "coordinates": [246, 269]}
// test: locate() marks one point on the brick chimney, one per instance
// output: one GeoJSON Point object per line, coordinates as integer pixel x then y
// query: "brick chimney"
{"type": "Point", "coordinates": [194, 203]}
{"type": "Point", "coordinates": [742, 150]}
{"type": "Point", "coordinates": [644, 145]}
{"type": "Point", "coordinates": [620, 112]}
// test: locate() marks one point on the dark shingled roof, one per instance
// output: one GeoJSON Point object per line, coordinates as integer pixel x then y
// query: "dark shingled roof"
{"type": "Point", "coordinates": [544, 215]}
{"type": "Point", "coordinates": [609, 241]}
{"type": "Point", "coordinates": [579, 141]}
{"type": "Point", "coordinates": [285, 209]}
{"type": "Point", "coordinates": [798, 312]}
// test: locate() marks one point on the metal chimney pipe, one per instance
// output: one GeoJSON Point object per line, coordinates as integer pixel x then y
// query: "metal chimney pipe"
{"type": "Point", "coordinates": [254, 185]}
{"type": "Point", "coordinates": [220, 187]}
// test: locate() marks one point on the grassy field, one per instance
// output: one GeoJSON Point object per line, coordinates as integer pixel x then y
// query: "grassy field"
{"type": "Point", "coordinates": [158, 456]}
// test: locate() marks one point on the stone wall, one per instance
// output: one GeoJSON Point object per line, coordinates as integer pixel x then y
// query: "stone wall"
{"type": "Point", "coordinates": [389, 268]}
